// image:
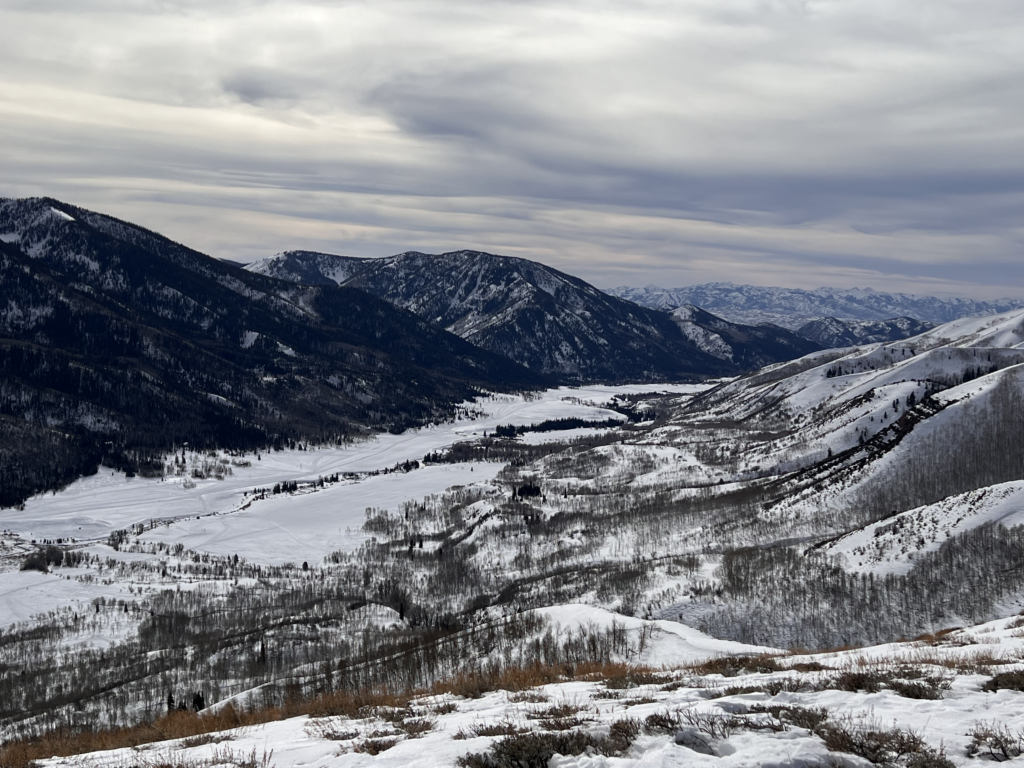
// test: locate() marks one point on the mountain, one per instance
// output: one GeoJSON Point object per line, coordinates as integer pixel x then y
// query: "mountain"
{"type": "Point", "coordinates": [746, 345]}
{"type": "Point", "coordinates": [831, 332]}
{"type": "Point", "coordinates": [792, 307]}
{"type": "Point", "coordinates": [117, 344]}
{"type": "Point", "coordinates": [309, 267]}
{"type": "Point", "coordinates": [544, 319]}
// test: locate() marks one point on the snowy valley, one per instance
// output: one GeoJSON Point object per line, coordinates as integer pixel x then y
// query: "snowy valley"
{"type": "Point", "coordinates": [654, 553]}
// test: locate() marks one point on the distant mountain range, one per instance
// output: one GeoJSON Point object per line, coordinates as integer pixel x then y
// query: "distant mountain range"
{"type": "Point", "coordinates": [831, 332]}
{"type": "Point", "coordinates": [792, 307]}
{"type": "Point", "coordinates": [544, 319]}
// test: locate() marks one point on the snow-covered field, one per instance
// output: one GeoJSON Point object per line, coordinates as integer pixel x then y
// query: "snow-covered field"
{"type": "Point", "coordinates": [929, 695]}
{"type": "Point", "coordinates": [220, 517]}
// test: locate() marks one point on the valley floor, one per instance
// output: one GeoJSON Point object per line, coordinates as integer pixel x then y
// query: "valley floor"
{"type": "Point", "coordinates": [219, 516]}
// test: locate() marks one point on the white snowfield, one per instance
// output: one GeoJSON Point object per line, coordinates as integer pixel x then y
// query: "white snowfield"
{"type": "Point", "coordinates": [667, 643]}
{"type": "Point", "coordinates": [1005, 330]}
{"type": "Point", "coordinates": [707, 719]}
{"type": "Point", "coordinates": [220, 517]}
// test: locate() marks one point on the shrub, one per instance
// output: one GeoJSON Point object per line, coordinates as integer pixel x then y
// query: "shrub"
{"type": "Point", "coordinates": [1005, 681]}
{"type": "Point", "coordinates": [535, 750]}
{"type": "Point", "coordinates": [888, 747]}
{"type": "Point", "coordinates": [915, 690]}
{"type": "Point", "coordinates": [531, 750]}
{"type": "Point", "coordinates": [329, 729]}
{"type": "Point", "coordinates": [871, 682]}
{"type": "Point", "coordinates": [374, 746]}
{"type": "Point", "coordinates": [809, 718]}
{"type": "Point", "coordinates": [995, 742]}
{"type": "Point", "coordinates": [622, 734]}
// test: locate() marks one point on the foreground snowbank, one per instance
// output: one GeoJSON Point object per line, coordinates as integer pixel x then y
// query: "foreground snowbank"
{"type": "Point", "coordinates": [928, 698]}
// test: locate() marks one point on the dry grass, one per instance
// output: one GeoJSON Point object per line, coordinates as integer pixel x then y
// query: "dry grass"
{"type": "Point", "coordinates": [187, 725]}
{"type": "Point", "coordinates": [994, 741]}
{"type": "Point", "coordinates": [177, 725]}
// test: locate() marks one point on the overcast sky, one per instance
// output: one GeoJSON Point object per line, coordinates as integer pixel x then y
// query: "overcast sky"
{"type": "Point", "coordinates": [825, 142]}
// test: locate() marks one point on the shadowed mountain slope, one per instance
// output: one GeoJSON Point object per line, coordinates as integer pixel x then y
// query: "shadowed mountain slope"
{"type": "Point", "coordinates": [117, 343]}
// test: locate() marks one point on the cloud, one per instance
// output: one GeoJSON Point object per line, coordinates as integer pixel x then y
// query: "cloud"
{"type": "Point", "coordinates": [810, 142]}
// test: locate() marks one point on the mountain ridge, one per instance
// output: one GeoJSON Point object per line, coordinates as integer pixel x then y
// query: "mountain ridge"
{"type": "Point", "coordinates": [793, 307]}
{"type": "Point", "coordinates": [545, 319]}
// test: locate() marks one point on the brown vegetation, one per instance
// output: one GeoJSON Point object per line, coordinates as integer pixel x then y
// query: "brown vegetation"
{"type": "Point", "coordinates": [188, 725]}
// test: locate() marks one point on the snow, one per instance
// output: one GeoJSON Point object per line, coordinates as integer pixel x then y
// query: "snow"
{"type": "Point", "coordinates": [221, 517]}
{"type": "Point", "coordinates": [249, 338]}
{"type": "Point", "coordinates": [309, 526]}
{"type": "Point", "coordinates": [671, 644]}
{"type": "Point", "coordinates": [1005, 330]}
{"type": "Point", "coordinates": [891, 545]}
{"type": "Point", "coordinates": [943, 723]}
{"type": "Point", "coordinates": [62, 215]}
{"type": "Point", "coordinates": [706, 341]}
{"type": "Point", "coordinates": [26, 594]}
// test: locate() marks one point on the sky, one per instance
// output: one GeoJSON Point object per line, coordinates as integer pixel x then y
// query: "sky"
{"type": "Point", "coordinates": [801, 143]}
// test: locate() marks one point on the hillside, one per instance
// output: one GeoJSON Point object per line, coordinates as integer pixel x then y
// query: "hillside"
{"type": "Point", "coordinates": [938, 702]}
{"type": "Point", "coordinates": [749, 347]}
{"type": "Point", "coordinates": [682, 504]}
{"type": "Point", "coordinates": [877, 484]}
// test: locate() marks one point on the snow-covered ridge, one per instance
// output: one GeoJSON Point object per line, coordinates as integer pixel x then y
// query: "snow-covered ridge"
{"type": "Point", "coordinates": [307, 267]}
{"type": "Point", "coordinates": [793, 307]}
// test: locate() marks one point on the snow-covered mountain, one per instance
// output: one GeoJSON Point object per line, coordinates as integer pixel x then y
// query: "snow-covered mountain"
{"type": "Point", "coordinates": [309, 267]}
{"type": "Point", "coordinates": [832, 333]}
{"type": "Point", "coordinates": [543, 537]}
{"type": "Point", "coordinates": [793, 307]}
{"type": "Point", "coordinates": [748, 346]}
{"type": "Point", "coordinates": [549, 321]}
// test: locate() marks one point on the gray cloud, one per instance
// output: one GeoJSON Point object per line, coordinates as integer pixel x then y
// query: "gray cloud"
{"type": "Point", "coordinates": [773, 141]}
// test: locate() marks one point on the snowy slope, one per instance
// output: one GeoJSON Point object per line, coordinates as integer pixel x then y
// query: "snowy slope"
{"type": "Point", "coordinates": [1004, 330]}
{"type": "Point", "coordinates": [890, 546]}
{"type": "Point", "coordinates": [683, 718]}
{"type": "Point", "coordinates": [833, 378]}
